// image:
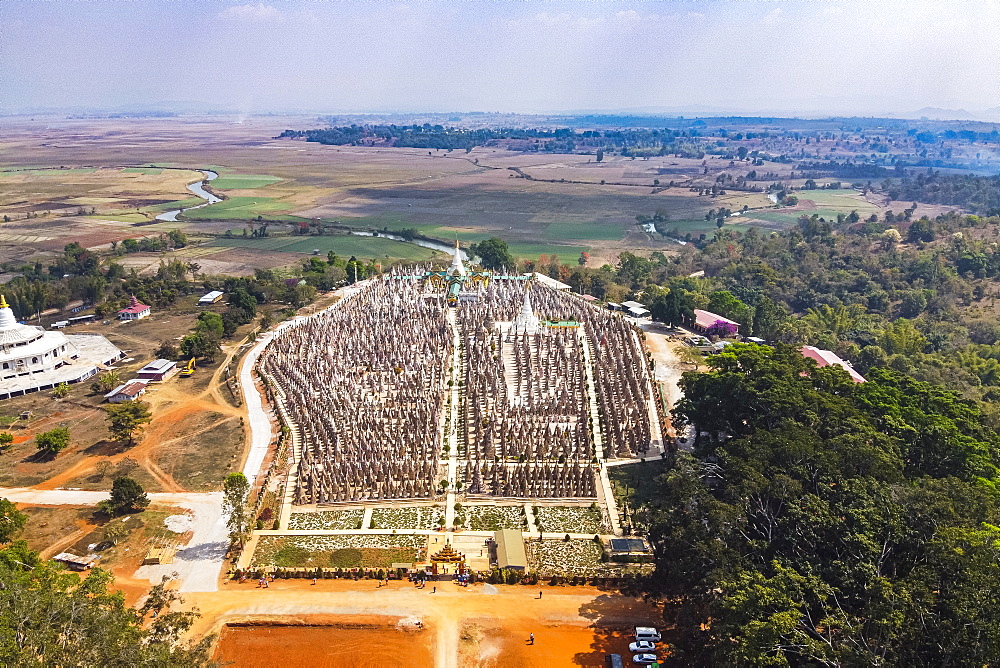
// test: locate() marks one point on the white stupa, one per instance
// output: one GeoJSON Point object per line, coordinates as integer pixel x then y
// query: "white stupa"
{"type": "Point", "coordinates": [457, 268]}
{"type": "Point", "coordinates": [526, 321]}
{"type": "Point", "coordinates": [32, 358]}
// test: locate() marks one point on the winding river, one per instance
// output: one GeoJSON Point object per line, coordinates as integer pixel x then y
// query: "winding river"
{"type": "Point", "coordinates": [197, 189]}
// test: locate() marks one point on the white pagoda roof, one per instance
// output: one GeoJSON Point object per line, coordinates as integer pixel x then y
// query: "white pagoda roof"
{"type": "Point", "coordinates": [12, 332]}
{"type": "Point", "coordinates": [457, 268]}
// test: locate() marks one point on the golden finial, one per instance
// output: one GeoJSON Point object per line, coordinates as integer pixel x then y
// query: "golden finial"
{"type": "Point", "coordinates": [3, 302]}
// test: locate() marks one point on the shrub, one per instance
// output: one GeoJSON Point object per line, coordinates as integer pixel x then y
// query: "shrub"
{"type": "Point", "coordinates": [291, 555]}
{"type": "Point", "coordinates": [348, 557]}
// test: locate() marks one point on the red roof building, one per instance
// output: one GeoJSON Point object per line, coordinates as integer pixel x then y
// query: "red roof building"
{"type": "Point", "coordinates": [135, 310]}
{"type": "Point", "coordinates": [828, 357]}
{"type": "Point", "coordinates": [129, 391]}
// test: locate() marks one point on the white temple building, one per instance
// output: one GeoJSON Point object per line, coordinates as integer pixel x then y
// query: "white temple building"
{"type": "Point", "coordinates": [33, 359]}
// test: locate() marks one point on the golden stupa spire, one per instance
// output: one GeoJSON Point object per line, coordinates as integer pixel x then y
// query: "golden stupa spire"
{"type": "Point", "coordinates": [3, 302]}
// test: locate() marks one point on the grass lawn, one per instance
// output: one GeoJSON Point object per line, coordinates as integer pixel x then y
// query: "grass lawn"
{"type": "Point", "coordinates": [57, 172]}
{"type": "Point", "coordinates": [145, 530]}
{"type": "Point", "coordinates": [244, 181]}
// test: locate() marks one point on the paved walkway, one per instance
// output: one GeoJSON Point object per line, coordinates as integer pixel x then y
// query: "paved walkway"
{"type": "Point", "coordinates": [455, 413]}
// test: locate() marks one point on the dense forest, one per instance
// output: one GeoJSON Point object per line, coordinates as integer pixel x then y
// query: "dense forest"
{"type": "Point", "coordinates": [562, 140]}
{"type": "Point", "coordinates": [819, 521]}
{"type": "Point", "coordinates": [978, 194]}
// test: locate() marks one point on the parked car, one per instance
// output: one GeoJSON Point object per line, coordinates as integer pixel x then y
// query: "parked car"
{"type": "Point", "coordinates": [640, 646]}
{"type": "Point", "coordinates": [644, 659]}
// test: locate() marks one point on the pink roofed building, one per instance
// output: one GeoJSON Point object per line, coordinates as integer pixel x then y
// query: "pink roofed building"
{"type": "Point", "coordinates": [705, 320]}
{"type": "Point", "coordinates": [135, 310]}
{"type": "Point", "coordinates": [828, 357]}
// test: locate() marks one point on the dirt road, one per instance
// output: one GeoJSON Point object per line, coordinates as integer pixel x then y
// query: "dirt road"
{"type": "Point", "coordinates": [669, 365]}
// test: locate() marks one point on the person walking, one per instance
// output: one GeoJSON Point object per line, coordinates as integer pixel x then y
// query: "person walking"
{"type": "Point", "coordinates": [539, 594]}
{"type": "Point", "coordinates": [314, 582]}
{"type": "Point", "coordinates": [434, 591]}
{"type": "Point", "coordinates": [531, 638]}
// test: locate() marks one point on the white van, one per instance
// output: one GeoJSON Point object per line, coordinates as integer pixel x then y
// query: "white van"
{"type": "Point", "coordinates": [647, 633]}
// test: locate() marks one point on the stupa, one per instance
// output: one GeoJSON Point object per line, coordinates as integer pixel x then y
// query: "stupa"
{"type": "Point", "coordinates": [33, 359]}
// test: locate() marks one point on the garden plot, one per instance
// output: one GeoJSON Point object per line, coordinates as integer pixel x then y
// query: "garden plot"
{"type": "Point", "coordinates": [569, 519]}
{"type": "Point", "coordinates": [549, 558]}
{"type": "Point", "coordinates": [344, 551]}
{"type": "Point", "coordinates": [417, 517]}
{"type": "Point", "coordinates": [491, 518]}
{"type": "Point", "coordinates": [327, 519]}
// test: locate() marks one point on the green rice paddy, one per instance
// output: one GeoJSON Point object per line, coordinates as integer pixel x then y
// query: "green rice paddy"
{"type": "Point", "coordinates": [343, 245]}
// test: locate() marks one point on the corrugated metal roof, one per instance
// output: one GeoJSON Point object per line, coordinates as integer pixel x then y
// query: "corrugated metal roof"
{"type": "Point", "coordinates": [510, 549]}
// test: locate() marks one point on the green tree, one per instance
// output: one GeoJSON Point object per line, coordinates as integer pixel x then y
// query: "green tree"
{"type": "Point", "coordinates": [234, 498]}
{"type": "Point", "coordinates": [115, 532]}
{"type": "Point", "coordinates": [6, 440]}
{"type": "Point", "coordinates": [59, 619]}
{"type": "Point", "coordinates": [125, 420]}
{"type": "Point", "coordinates": [493, 254]}
{"type": "Point", "coordinates": [109, 380]}
{"type": "Point", "coordinates": [210, 324]}
{"type": "Point", "coordinates": [921, 230]}
{"type": "Point", "coordinates": [168, 351]}
{"type": "Point", "coordinates": [61, 391]}
{"type": "Point", "coordinates": [203, 346]}
{"type": "Point", "coordinates": [127, 496]}
{"type": "Point", "coordinates": [902, 338]}
{"type": "Point", "coordinates": [54, 441]}
{"type": "Point", "coordinates": [12, 521]}
{"type": "Point", "coordinates": [177, 238]}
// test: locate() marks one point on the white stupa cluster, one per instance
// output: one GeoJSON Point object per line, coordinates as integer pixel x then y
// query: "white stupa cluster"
{"type": "Point", "coordinates": [366, 381]}
{"type": "Point", "coordinates": [33, 359]}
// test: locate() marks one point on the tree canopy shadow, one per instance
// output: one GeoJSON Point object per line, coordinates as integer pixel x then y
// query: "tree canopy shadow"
{"type": "Point", "coordinates": [613, 617]}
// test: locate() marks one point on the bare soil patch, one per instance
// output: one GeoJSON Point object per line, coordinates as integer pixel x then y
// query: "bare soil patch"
{"type": "Point", "coordinates": [348, 642]}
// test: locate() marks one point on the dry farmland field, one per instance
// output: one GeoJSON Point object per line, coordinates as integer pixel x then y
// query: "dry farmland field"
{"type": "Point", "coordinates": [101, 180]}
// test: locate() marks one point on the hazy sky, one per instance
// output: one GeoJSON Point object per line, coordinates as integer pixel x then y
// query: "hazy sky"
{"type": "Point", "coordinates": [835, 56]}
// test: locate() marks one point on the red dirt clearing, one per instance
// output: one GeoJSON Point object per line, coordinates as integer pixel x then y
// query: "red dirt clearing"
{"type": "Point", "coordinates": [354, 642]}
